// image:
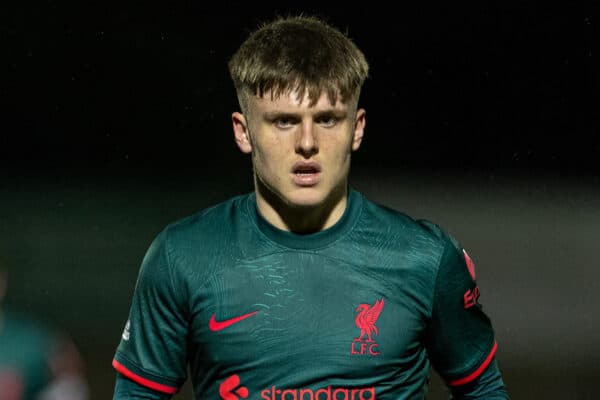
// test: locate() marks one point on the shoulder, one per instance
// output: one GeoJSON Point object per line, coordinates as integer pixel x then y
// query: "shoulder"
{"type": "Point", "coordinates": [403, 225]}
{"type": "Point", "coordinates": [198, 242]}
{"type": "Point", "coordinates": [210, 223]}
{"type": "Point", "coordinates": [415, 241]}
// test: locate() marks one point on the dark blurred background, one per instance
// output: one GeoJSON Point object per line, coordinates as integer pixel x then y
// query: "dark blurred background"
{"type": "Point", "coordinates": [115, 120]}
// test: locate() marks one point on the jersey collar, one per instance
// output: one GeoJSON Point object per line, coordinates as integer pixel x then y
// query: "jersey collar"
{"type": "Point", "coordinates": [313, 240]}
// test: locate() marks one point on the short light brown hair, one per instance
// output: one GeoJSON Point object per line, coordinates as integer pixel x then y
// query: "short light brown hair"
{"type": "Point", "coordinates": [298, 54]}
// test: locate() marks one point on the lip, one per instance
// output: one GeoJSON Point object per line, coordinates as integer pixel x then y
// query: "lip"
{"type": "Point", "coordinates": [306, 179]}
{"type": "Point", "coordinates": [306, 165]}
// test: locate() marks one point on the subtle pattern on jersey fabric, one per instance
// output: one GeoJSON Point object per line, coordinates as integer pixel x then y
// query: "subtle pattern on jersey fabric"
{"type": "Point", "coordinates": [228, 261]}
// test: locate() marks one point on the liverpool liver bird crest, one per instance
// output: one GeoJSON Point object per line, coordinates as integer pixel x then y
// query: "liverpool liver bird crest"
{"type": "Point", "coordinates": [366, 318]}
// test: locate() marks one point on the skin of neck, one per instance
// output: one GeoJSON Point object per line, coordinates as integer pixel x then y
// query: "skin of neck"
{"type": "Point", "coordinates": [300, 219]}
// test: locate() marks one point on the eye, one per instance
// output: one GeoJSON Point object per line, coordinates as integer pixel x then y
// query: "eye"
{"type": "Point", "coordinates": [283, 123]}
{"type": "Point", "coordinates": [327, 122]}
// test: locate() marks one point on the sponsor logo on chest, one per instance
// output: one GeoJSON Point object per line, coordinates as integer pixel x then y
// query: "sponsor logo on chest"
{"type": "Point", "coordinates": [231, 389]}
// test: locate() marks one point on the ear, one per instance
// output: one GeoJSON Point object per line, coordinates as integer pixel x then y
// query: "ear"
{"type": "Point", "coordinates": [241, 133]}
{"type": "Point", "coordinates": [359, 128]}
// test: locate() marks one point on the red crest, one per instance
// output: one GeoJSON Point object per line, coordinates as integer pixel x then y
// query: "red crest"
{"type": "Point", "coordinates": [366, 318]}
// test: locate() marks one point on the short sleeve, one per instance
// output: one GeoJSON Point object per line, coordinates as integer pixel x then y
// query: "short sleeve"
{"type": "Point", "coordinates": [460, 339]}
{"type": "Point", "coordinates": [152, 350]}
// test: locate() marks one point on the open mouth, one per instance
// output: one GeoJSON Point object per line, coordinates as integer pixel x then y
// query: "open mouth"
{"type": "Point", "coordinates": [306, 168]}
{"type": "Point", "coordinates": [306, 173]}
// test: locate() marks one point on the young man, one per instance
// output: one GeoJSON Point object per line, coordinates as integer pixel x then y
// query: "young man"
{"type": "Point", "coordinates": [36, 362]}
{"type": "Point", "coordinates": [304, 289]}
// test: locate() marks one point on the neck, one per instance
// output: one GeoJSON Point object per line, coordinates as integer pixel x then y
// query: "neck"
{"type": "Point", "coordinates": [300, 219]}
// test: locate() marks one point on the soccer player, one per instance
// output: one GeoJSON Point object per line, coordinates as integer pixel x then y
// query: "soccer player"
{"type": "Point", "coordinates": [304, 289]}
{"type": "Point", "coordinates": [36, 362]}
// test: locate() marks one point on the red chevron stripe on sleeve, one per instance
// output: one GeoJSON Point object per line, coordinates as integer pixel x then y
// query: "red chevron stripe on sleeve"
{"type": "Point", "coordinates": [143, 381]}
{"type": "Point", "coordinates": [475, 374]}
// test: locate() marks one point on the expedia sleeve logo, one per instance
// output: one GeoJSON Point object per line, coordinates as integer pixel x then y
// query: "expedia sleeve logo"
{"type": "Point", "coordinates": [472, 295]}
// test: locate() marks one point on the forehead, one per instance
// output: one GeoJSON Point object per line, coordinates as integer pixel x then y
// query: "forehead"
{"type": "Point", "coordinates": [293, 102]}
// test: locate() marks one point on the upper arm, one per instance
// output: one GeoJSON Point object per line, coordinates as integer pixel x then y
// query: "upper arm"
{"type": "Point", "coordinates": [460, 339]}
{"type": "Point", "coordinates": [126, 389]}
{"type": "Point", "coordinates": [489, 386]}
{"type": "Point", "coordinates": [152, 350]}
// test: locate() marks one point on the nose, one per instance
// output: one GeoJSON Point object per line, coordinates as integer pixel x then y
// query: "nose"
{"type": "Point", "coordinates": [307, 143]}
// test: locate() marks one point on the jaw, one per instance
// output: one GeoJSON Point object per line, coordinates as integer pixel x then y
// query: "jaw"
{"type": "Point", "coordinates": [300, 210]}
{"type": "Point", "coordinates": [301, 198]}
{"type": "Point", "coordinates": [290, 198]}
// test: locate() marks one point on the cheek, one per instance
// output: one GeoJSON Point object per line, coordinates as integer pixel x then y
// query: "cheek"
{"type": "Point", "coordinates": [339, 149]}
{"type": "Point", "coordinates": [268, 154]}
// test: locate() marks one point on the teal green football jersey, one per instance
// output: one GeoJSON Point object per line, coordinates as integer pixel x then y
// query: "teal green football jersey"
{"type": "Point", "coordinates": [26, 348]}
{"type": "Point", "coordinates": [357, 311]}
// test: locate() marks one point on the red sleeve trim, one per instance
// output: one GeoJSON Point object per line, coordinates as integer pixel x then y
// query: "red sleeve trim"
{"type": "Point", "coordinates": [143, 381]}
{"type": "Point", "coordinates": [474, 375]}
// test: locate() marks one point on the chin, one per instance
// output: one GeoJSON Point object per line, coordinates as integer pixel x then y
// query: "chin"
{"type": "Point", "coordinates": [305, 197]}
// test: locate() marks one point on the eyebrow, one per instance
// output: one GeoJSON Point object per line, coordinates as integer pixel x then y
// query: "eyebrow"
{"type": "Point", "coordinates": [320, 114]}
